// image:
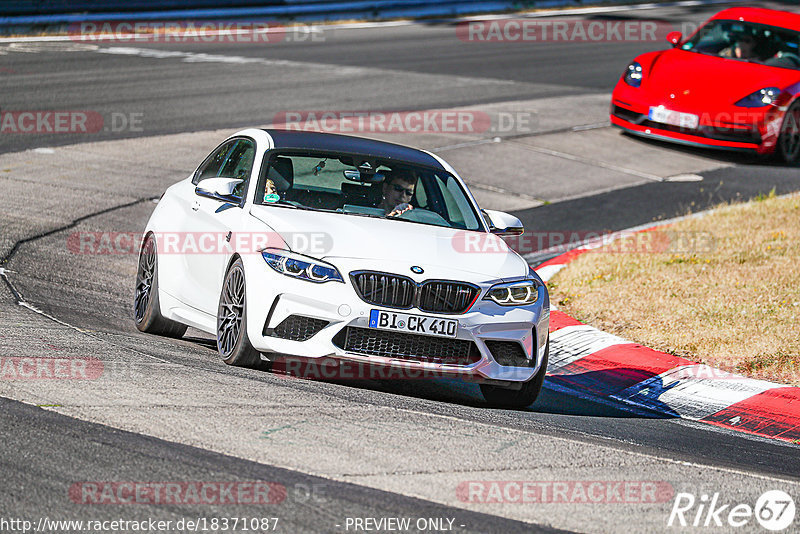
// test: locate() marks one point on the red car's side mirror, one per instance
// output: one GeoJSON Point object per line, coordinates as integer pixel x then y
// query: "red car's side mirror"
{"type": "Point", "coordinates": [674, 38]}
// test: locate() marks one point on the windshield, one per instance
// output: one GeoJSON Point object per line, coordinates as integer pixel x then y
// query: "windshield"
{"type": "Point", "coordinates": [777, 47]}
{"type": "Point", "coordinates": [365, 186]}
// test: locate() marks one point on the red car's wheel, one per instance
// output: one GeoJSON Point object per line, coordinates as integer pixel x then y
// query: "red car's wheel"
{"type": "Point", "coordinates": [789, 141]}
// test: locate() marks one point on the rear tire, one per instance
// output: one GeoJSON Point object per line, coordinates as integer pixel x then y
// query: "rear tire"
{"type": "Point", "coordinates": [789, 141]}
{"type": "Point", "coordinates": [500, 397]}
{"type": "Point", "coordinates": [232, 342]}
{"type": "Point", "coordinates": [146, 308]}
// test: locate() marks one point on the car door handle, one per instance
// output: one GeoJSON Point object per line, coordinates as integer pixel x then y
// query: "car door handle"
{"type": "Point", "coordinates": [195, 205]}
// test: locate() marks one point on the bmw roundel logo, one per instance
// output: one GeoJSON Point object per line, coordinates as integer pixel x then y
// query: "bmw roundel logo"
{"type": "Point", "coordinates": [417, 269]}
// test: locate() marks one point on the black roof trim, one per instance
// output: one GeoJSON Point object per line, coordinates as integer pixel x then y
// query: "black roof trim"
{"type": "Point", "coordinates": [291, 139]}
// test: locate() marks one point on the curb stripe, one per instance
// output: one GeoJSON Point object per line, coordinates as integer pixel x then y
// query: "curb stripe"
{"type": "Point", "coordinates": [595, 365]}
{"type": "Point", "coordinates": [694, 398]}
{"type": "Point", "coordinates": [619, 368]}
{"type": "Point", "coordinates": [561, 261]}
{"type": "Point", "coordinates": [559, 319]}
{"type": "Point", "coordinates": [546, 272]}
{"type": "Point", "coordinates": [772, 414]}
{"type": "Point", "coordinates": [573, 343]}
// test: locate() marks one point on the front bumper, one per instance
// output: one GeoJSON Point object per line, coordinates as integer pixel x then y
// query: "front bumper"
{"type": "Point", "coordinates": [318, 321]}
{"type": "Point", "coordinates": [744, 129]}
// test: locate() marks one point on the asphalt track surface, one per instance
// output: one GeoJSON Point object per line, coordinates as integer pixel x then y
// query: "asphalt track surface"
{"type": "Point", "coordinates": [374, 448]}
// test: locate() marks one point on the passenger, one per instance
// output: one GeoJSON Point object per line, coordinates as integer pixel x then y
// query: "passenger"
{"type": "Point", "coordinates": [271, 192]}
{"type": "Point", "coordinates": [398, 189]}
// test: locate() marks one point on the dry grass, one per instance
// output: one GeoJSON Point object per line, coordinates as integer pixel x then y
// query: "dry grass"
{"type": "Point", "coordinates": [726, 292]}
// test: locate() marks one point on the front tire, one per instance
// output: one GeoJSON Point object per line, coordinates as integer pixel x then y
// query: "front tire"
{"type": "Point", "coordinates": [500, 397]}
{"type": "Point", "coordinates": [789, 140]}
{"type": "Point", "coordinates": [232, 342]}
{"type": "Point", "coordinates": [146, 308]}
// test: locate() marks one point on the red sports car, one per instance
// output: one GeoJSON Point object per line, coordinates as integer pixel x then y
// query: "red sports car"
{"type": "Point", "coordinates": [734, 84]}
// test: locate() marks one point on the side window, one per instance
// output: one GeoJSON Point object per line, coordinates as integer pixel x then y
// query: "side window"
{"type": "Point", "coordinates": [233, 159]}
{"type": "Point", "coordinates": [213, 164]}
{"type": "Point", "coordinates": [240, 160]}
{"type": "Point", "coordinates": [421, 195]}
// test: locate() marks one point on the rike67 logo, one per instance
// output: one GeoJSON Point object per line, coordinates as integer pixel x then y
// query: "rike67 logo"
{"type": "Point", "coordinates": [774, 510]}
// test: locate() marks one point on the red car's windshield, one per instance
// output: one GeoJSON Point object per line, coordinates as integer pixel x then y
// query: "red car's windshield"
{"type": "Point", "coordinates": [769, 45]}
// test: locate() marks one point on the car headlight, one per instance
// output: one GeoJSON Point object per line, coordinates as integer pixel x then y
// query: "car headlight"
{"type": "Point", "coordinates": [302, 267]}
{"type": "Point", "coordinates": [634, 74]}
{"type": "Point", "coordinates": [521, 293]}
{"type": "Point", "coordinates": [761, 98]}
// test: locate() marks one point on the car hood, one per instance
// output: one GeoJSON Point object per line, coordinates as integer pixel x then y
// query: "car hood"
{"type": "Point", "coordinates": [392, 242]}
{"type": "Point", "coordinates": [695, 81]}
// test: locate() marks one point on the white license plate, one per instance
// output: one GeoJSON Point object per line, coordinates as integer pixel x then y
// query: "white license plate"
{"type": "Point", "coordinates": [416, 324]}
{"type": "Point", "coordinates": [675, 118]}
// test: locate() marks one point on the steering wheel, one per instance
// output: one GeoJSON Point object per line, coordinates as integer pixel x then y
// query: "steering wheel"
{"type": "Point", "coordinates": [790, 56]}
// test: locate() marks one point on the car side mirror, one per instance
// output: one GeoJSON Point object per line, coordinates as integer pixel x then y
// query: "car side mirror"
{"type": "Point", "coordinates": [502, 223]}
{"type": "Point", "coordinates": [225, 189]}
{"type": "Point", "coordinates": [674, 38]}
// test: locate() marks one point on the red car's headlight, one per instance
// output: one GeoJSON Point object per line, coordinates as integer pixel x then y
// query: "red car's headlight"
{"type": "Point", "coordinates": [761, 98]}
{"type": "Point", "coordinates": [634, 74]}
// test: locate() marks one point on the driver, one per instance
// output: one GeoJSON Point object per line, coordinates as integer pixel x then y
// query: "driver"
{"type": "Point", "coordinates": [398, 189]}
{"type": "Point", "coordinates": [742, 47]}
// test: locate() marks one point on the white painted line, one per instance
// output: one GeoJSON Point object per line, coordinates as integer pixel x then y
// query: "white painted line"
{"type": "Point", "coordinates": [465, 144]}
{"type": "Point", "coordinates": [328, 69]}
{"type": "Point", "coordinates": [595, 126]}
{"type": "Point", "coordinates": [477, 142]}
{"type": "Point", "coordinates": [684, 178]}
{"type": "Point", "coordinates": [34, 47]}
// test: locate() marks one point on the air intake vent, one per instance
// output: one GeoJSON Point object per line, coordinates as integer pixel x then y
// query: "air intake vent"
{"type": "Point", "coordinates": [509, 353]}
{"type": "Point", "coordinates": [407, 346]}
{"type": "Point", "coordinates": [298, 328]}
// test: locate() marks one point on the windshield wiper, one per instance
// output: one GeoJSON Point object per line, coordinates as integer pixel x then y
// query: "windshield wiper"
{"type": "Point", "coordinates": [357, 214]}
{"type": "Point", "coordinates": [287, 204]}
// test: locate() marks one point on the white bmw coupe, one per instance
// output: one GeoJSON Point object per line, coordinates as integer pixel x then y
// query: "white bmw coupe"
{"type": "Point", "coordinates": [315, 245]}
